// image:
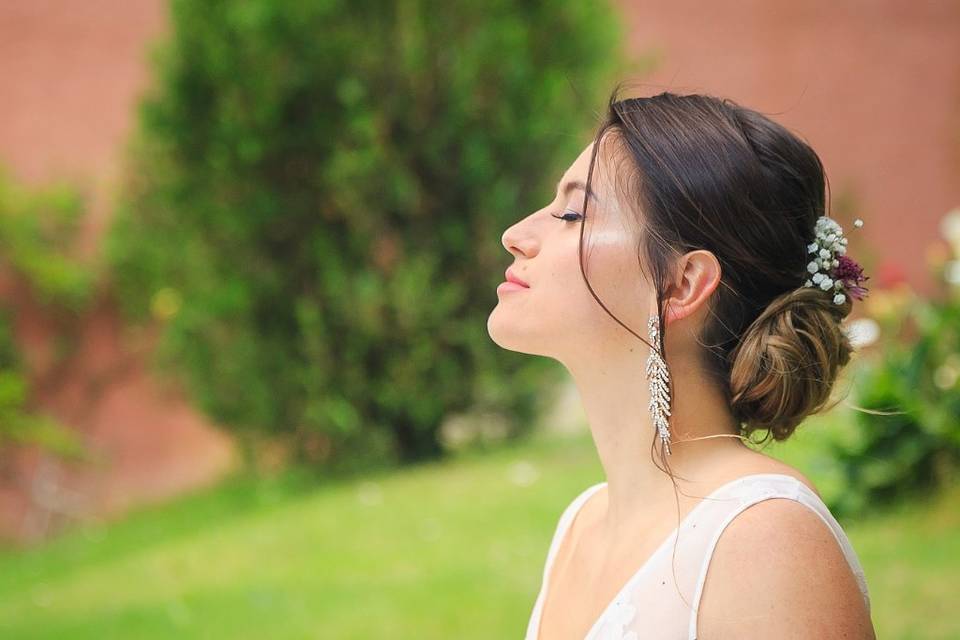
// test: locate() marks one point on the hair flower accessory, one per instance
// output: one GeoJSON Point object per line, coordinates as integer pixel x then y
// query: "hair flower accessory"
{"type": "Point", "coordinates": [831, 268]}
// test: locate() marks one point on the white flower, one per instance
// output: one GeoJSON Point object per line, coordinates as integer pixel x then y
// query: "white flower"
{"type": "Point", "coordinates": [828, 245]}
{"type": "Point", "coordinates": [950, 225]}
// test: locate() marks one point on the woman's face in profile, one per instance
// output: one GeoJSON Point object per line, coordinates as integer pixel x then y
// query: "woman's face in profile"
{"type": "Point", "coordinates": [555, 315]}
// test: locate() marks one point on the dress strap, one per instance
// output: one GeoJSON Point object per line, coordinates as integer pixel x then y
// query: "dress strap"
{"type": "Point", "coordinates": [566, 519]}
{"type": "Point", "coordinates": [763, 486]}
{"type": "Point", "coordinates": [563, 524]}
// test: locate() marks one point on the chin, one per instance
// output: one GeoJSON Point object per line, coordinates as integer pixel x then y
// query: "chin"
{"type": "Point", "coordinates": [497, 330]}
{"type": "Point", "coordinates": [507, 333]}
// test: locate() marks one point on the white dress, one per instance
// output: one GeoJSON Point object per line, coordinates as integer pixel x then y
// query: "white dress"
{"type": "Point", "coordinates": [649, 605]}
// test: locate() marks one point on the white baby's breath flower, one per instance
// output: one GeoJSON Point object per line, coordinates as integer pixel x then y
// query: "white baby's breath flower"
{"type": "Point", "coordinates": [829, 244]}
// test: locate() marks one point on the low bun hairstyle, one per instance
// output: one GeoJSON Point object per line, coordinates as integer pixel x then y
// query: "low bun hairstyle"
{"type": "Point", "coordinates": [708, 173]}
{"type": "Point", "coordinates": [784, 366]}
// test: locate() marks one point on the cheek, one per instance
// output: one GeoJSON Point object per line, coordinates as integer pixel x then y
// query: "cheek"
{"type": "Point", "coordinates": [569, 298]}
{"type": "Point", "coordinates": [613, 269]}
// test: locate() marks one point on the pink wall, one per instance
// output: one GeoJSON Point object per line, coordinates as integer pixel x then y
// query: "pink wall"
{"type": "Point", "coordinates": [874, 86]}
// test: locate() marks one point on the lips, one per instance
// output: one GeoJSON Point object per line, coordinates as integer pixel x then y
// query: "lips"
{"type": "Point", "coordinates": [514, 279]}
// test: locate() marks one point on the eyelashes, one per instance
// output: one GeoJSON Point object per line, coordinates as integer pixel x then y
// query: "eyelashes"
{"type": "Point", "coordinates": [566, 215]}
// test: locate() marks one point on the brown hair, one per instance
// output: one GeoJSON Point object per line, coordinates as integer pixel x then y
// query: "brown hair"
{"type": "Point", "coordinates": [710, 174]}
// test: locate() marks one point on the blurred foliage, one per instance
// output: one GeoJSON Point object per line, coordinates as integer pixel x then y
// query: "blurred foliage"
{"type": "Point", "coordinates": [907, 442]}
{"type": "Point", "coordinates": [18, 423]}
{"type": "Point", "coordinates": [37, 229]}
{"type": "Point", "coordinates": [315, 204]}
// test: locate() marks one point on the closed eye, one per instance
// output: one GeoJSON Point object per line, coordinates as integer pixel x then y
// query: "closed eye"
{"type": "Point", "coordinates": [567, 214]}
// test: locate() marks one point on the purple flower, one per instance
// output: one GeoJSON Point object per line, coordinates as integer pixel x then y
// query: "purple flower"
{"type": "Point", "coordinates": [851, 275]}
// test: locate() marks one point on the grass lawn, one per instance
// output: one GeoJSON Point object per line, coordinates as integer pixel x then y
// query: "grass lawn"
{"type": "Point", "coordinates": [452, 550]}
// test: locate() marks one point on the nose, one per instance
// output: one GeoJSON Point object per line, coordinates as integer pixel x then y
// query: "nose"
{"type": "Point", "coordinates": [520, 239]}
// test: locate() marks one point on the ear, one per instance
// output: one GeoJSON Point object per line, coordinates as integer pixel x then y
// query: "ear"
{"type": "Point", "coordinates": [698, 274]}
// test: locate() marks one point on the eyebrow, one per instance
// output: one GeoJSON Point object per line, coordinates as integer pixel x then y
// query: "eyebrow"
{"type": "Point", "coordinates": [574, 185]}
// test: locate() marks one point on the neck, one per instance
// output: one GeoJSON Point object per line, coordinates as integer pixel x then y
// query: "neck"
{"type": "Point", "coordinates": [615, 397]}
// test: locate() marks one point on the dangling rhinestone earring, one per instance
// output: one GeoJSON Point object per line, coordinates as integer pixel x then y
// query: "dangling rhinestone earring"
{"type": "Point", "coordinates": [659, 384]}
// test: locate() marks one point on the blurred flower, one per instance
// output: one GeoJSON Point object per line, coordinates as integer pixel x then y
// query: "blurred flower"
{"type": "Point", "coordinates": [946, 375]}
{"type": "Point", "coordinates": [456, 433]}
{"type": "Point", "coordinates": [890, 274]}
{"type": "Point", "coordinates": [461, 431]}
{"type": "Point", "coordinates": [950, 228]}
{"type": "Point", "coordinates": [523, 474]}
{"type": "Point", "coordinates": [165, 303]}
{"type": "Point", "coordinates": [369, 494]}
{"type": "Point", "coordinates": [951, 273]}
{"type": "Point", "coordinates": [862, 332]}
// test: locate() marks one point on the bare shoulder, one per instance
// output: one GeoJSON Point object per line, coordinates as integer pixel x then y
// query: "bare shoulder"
{"type": "Point", "coordinates": [777, 571]}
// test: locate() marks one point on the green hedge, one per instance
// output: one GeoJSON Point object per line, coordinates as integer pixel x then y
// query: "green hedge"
{"type": "Point", "coordinates": [316, 198]}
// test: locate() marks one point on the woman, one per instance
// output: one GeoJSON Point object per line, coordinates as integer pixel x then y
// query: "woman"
{"type": "Point", "coordinates": [703, 222]}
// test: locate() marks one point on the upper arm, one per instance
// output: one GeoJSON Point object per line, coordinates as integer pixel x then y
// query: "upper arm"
{"type": "Point", "coordinates": [777, 571]}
